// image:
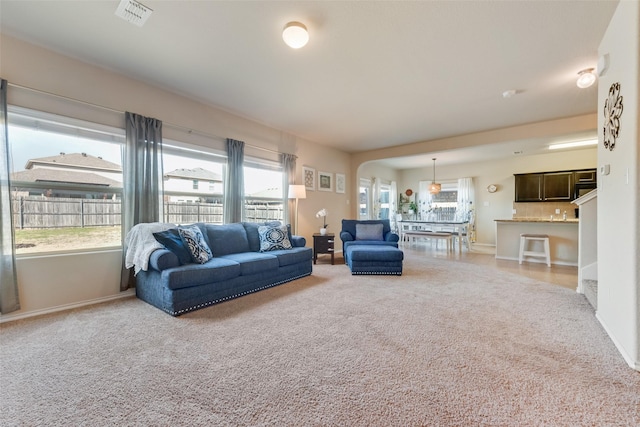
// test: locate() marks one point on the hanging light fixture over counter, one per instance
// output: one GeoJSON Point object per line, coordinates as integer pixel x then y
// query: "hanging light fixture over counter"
{"type": "Point", "coordinates": [434, 188]}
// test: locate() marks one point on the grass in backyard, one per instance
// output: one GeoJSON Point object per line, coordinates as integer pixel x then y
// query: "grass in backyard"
{"type": "Point", "coordinates": [65, 239]}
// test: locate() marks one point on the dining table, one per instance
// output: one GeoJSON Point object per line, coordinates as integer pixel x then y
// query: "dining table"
{"type": "Point", "coordinates": [457, 228]}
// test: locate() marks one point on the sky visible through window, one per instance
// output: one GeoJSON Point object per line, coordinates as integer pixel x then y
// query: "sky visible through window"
{"type": "Point", "coordinates": [28, 143]}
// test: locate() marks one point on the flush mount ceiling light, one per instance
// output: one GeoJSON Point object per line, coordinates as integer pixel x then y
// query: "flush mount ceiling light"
{"type": "Point", "coordinates": [573, 144]}
{"type": "Point", "coordinates": [434, 187]}
{"type": "Point", "coordinates": [133, 11]}
{"type": "Point", "coordinates": [586, 78]}
{"type": "Point", "coordinates": [295, 35]}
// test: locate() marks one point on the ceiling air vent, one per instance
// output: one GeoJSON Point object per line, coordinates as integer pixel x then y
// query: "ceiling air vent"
{"type": "Point", "coordinates": [133, 11]}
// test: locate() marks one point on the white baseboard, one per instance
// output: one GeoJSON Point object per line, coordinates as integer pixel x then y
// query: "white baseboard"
{"type": "Point", "coordinates": [634, 364]}
{"type": "Point", "coordinates": [12, 317]}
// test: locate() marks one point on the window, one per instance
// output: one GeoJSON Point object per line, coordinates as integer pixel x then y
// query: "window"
{"type": "Point", "coordinates": [66, 182]}
{"type": "Point", "coordinates": [364, 198]}
{"type": "Point", "coordinates": [185, 167]}
{"type": "Point", "coordinates": [263, 191]}
{"type": "Point", "coordinates": [385, 199]}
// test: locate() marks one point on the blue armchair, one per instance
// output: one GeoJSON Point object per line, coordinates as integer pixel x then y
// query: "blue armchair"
{"type": "Point", "coordinates": [349, 237]}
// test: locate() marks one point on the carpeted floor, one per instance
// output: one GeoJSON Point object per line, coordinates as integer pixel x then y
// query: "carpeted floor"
{"type": "Point", "coordinates": [446, 344]}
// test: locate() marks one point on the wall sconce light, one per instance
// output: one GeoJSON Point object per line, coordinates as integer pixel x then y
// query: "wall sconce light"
{"type": "Point", "coordinates": [295, 35]}
{"type": "Point", "coordinates": [434, 187]}
{"type": "Point", "coordinates": [586, 78]}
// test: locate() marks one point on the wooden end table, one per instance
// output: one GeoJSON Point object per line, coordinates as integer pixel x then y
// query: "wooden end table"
{"type": "Point", "coordinates": [323, 244]}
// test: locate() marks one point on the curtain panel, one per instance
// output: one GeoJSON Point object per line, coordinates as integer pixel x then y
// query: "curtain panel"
{"type": "Point", "coordinates": [9, 300]}
{"type": "Point", "coordinates": [142, 174]}
{"type": "Point", "coordinates": [288, 162]}
{"type": "Point", "coordinates": [234, 182]}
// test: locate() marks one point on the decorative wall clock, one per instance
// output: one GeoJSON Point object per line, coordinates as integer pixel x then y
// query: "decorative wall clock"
{"type": "Point", "coordinates": [409, 192]}
{"type": "Point", "coordinates": [492, 188]}
{"type": "Point", "coordinates": [612, 113]}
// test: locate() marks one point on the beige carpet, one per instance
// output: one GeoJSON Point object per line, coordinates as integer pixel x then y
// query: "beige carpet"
{"type": "Point", "coordinates": [446, 344]}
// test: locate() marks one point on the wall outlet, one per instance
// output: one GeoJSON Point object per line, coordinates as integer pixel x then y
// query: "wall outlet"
{"type": "Point", "coordinates": [485, 204]}
{"type": "Point", "coordinates": [513, 211]}
{"type": "Point", "coordinates": [557, 211]}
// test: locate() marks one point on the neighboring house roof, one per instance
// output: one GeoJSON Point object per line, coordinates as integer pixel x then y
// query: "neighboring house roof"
{"type": "Point", "coordinates": [76, 161]}
{"type": "Point", "coordinates": [195, 173]}
{"type": "Point", "coordinates": [272, 193]}
{"type": "Point", "coordinates": [52, 175]}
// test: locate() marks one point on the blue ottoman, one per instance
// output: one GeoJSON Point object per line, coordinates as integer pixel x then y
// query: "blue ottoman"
{"type": "Point", "coordinates": [374, 259]}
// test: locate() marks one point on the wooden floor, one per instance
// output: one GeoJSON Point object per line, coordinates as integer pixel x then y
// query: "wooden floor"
{"type": "Point", "coordinates": [560, 275]}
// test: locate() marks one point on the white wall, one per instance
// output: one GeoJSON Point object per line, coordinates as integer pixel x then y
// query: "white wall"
{"type": "Point", "coordinates": [82, 91]}
{"type": "Point", "coordinates": [618, 198]}
{"type": "Point", "coordinates": [498, 205]}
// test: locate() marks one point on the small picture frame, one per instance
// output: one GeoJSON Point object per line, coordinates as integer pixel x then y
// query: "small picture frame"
{"type": "Point", "coordinates": [341, 183]}
{"type": "Point", "coordinates": [309, 177]}
{"type": "Point", "coordinates": [325, 181]}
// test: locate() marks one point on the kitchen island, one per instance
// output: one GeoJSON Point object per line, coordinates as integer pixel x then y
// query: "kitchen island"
{"type": "Point", "coordinates": [563, 238]}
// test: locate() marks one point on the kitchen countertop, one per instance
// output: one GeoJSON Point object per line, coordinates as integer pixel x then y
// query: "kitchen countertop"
{"type": "Point", "coordinates": [558, 220]}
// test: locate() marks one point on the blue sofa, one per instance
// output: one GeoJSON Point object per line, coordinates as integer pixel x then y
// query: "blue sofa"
{"type": "Point", "coordinates": [237, 268]}
{"type": "Point", "coordinates": [370, 247]}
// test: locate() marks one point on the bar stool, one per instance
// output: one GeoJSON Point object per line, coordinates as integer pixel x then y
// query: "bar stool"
{"type": "Point", "coordinates": [546, 253]}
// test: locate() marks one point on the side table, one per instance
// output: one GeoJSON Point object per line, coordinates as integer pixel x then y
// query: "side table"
{"type": "Point", "coordinates": [323, 244]}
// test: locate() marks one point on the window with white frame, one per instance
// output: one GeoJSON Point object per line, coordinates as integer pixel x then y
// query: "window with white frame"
{"type": "Point", "coordinates": [66, 182]}
{"type": "Point", "coordinates": [193, 183]}
{"type": "Point", "coordinates": [263, 190]}
{"type": "Point", "coordinates": [364, 198]}
{"type": "Point", "coordinates": [384, 199]}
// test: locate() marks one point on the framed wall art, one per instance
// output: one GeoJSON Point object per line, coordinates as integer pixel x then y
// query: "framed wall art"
{"type": "Point", "coordinates": [309, 177]}
{"type": "Point", "coordinates": [325, 181]}
{"type": "Point", "coordinates": [341, 183]}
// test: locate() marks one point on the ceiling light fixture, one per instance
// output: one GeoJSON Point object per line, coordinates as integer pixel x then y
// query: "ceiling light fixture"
{"type": "Point", "coordinates": [295, 35]}
{"type": "Point", "coordinates": [586, 78]}
{"type": "Point", "coordinates": [133, 11]}
{"type": "Point", "coordinates": [574, 144]}
{"type": "Point", "coordinates": [434, 188]}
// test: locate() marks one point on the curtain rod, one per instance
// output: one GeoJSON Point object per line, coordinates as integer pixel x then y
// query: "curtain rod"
{"type": "Point", "coordinates": [113, 110]}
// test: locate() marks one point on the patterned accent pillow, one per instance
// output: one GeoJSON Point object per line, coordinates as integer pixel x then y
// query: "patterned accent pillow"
{"type": "Point", "coordinates": [273, 238]}
{"type": "Point", "coordinates": [171, 240]}
{"type": "Point", "coordinates": [194, 240]}
{"type": "Point", "coordinates": [368, 231]}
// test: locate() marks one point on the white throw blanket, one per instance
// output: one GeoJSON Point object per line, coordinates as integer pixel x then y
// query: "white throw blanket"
{"type": "Point", "coordinates": [140, 244]}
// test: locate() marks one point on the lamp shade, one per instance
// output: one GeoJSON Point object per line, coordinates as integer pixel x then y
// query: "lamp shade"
{"type": "Point", "coordinates": [295, 35]}
{"type": "Point", "coordinates": [297, 192]}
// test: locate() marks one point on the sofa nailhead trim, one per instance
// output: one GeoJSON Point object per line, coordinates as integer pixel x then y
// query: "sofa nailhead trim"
{"type": "Point", "coordinates": [207, 304]}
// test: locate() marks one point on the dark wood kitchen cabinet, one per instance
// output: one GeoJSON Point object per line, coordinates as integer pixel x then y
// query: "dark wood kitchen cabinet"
{"type": "Point", "coordinates": [557, 186]}
{"type": "Point", "coordinates": [529, 187]}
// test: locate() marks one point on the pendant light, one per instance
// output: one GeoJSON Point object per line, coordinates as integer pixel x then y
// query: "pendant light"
{"type": "Point", "coordinates": [434, 188]}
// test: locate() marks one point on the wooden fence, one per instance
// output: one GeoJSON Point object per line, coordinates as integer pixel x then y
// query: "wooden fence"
{"type": "Point", "coordinates": [37, 212]}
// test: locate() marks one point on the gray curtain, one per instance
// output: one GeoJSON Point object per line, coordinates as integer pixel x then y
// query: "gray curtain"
{"type": "Point", "coordinates": [8, 280]}
{"type": "Point", "coordinates": [234, 182]}
{"type": "Point", "coordinates": [142, 186]}
{"type": "Point", "coordinates": [288, 162]}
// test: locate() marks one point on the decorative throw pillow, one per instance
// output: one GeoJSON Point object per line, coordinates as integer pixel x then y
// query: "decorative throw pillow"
{"type": "Point", "coordinates": [369, 232]}
{"type": "Point", "coordinates": [193, 239]}
{"type": "Point", "coordinates": [273, 238]}
{"type": "Point", "coordinates": [172, 241]}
